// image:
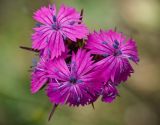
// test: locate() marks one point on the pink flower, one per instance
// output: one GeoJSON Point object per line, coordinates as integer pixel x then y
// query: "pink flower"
{"type": "Point", "coordinates": [109, 92]}
{"type": "Point", "coordinates": [40, 75]}
{"type": "Point", "coordinates": [53, 29]}
{"type": "Point", "coordinates": [116, 51]}
{"type": "Point", "coordinates": [75, 83]}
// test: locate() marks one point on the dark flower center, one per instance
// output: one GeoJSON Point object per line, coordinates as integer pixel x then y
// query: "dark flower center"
{"type": "Point", "coordinates": [73, 80]}
{"type": "Point", "coordinates": [54, 18]}
{"type": "Point", "coordinates": [55, 25]}
{"type": "Point", "coordinates": [116, 44]}
{"type": "Point", "coordinates": [117, 51]}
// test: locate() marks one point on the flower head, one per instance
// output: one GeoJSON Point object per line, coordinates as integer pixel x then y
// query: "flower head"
{"type": "Point", "coordinates": [53, 29]}
{"type": "Point", "coordinates": [40, 75]}
{"type": "Point", "coordinates": [75, 83]}
{"type": "Point", "coordinates": [76, 67]}
{"type": "Point", "coordinates": [109, 92]}
{"type": "Point", "coordinates": [116, 51]}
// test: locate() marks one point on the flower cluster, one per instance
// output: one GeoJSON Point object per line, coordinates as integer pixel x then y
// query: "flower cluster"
{"type": "Point", "coordinates": [75, 66]}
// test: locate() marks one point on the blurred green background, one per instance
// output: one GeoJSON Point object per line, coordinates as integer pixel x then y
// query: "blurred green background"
{"type": "Point", "coordinates": [139, 101]}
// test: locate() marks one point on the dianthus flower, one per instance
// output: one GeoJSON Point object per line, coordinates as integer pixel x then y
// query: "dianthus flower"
{"type": "Point", "coordinates": [75, 83]}
{"type": "Point", "coordinates": [53, 29]}
{"type": "Point", "coordinates": [109, 92]}
{"type": "Point", "coordinates": [40, 74]}
{"type": "Point", "coordinates": [75, 67]}
{"type": "Point", "coordinates": [116, 51]}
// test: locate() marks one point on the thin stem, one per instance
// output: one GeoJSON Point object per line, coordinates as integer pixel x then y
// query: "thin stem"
{"type": "Point", "coordinates": [82, 11]}
{"type": "Point", "coordinates": [29, 49]}
{"type": "Point", "coordinates": [93, 105]}
{"type": "Point", "coordinates": [52, 111]}
{"type": "Point", "coordinates": [115, 28]}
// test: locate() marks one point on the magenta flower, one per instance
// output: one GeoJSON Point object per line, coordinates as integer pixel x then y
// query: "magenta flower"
{"type": "Point", "coordinates": [53, 29]}
{"type": "Point", "coordinates": [116, 52]}
{"type": "Point", "coordinates": [76, 67]}
{"type": "Point", "coordinates": [75, 83]}
{"type": "Point", "coordinates": [41, 74]}
{"type": "Point", "coordinates": [109, 92]}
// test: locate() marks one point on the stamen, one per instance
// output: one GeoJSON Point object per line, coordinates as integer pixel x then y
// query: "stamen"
{"type": "Point", "coordinates": [115, 46]}
{"type": "Point", "coordinates": [116, 42]}
{"type": "Point", "coordinates": [54, 26]}
{"type": "Point", "coordinates": [104, 42]}
{"type": "Point", "coordinates": [73, 80]}
{"type": "Point", "coordinates": [134, 59]}
{"type": "Point", "coordinates": [72, 22]}
{"type": "Point", "coordinates": [117, 52]}
{"type": "Point", "coordinates": [54, 18]}
{"type": "Point", "coordinates": [38, 24]}
{"type": "Point", "coordinates": [105, 55]}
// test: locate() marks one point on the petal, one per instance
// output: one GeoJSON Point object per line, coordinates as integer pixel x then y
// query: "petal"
{"type": "Point", "coordinates": [40, 37]}
{"type": "Point", "coordinates": [55, 45]}
{"type": "Point", "coordinates": [67, 13]}
{"type": "Point", "coordinates": [77, 31]}
{"type": "Point", "coordinates": [129, 50]}
{"type": "Point", "coordinates": [109, 93]}
{"type": "Point", "coordinates": [98, 44]}
{"type": "Point", "coordinates": [39, 76]}
{"type": "Point", "coordinates": [45, 15]}
{"type": "Point", "coordinates": [74, 95]}
{"type": "Point", "coordinates": [71, 25]}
